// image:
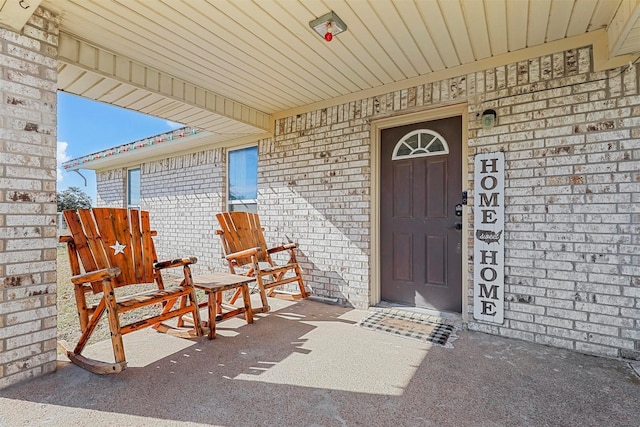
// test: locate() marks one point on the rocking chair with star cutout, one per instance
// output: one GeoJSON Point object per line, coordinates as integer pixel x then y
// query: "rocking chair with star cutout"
{"type": "Point", "coordinates": [109, 249]}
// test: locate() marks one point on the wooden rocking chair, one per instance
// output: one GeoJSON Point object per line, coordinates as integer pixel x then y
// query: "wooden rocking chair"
{"type": "Point", "coordinates": [244, 245]}
{"type": "Point", "coordinates": [110, 248]}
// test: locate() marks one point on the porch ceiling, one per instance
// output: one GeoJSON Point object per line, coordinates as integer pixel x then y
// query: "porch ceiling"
{"type": "Point", "coordinates": [230, 66]}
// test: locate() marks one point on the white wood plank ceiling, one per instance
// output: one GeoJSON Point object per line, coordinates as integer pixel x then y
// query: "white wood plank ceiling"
{"type": "Point", "coordinates": [238, 62]}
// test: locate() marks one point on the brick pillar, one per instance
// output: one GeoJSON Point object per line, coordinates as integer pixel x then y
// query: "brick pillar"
{"type": "Point", "coordinates": [28, 77]}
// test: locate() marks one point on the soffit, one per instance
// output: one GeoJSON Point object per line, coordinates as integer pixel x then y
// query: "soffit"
{"type": "Point", "coordinates": [263, 55]}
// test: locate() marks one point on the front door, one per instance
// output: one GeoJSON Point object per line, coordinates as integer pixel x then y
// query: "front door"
{"type": "Point", "coordinates": [420, 224]}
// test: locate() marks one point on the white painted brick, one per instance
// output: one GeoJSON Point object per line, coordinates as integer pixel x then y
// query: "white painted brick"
{"type": "Point", "coordinates": [601, 309]}
{"type": "Point", "coordinates": [537, 328]}
{"type": "Point", "coordinates": [611, 320]}
{"type": "Point", "coordinates": [555, 303]}
{"type": "Point", "coordinates": [630, 312]}
{"type": "Point", "coordinates": [554, 341]}
{"type": "Point", "coordinates": [567, 314]}
{"type": "Point", "coordinates": [526, 308]}
{"type": "Point", "coordinates": [597, 328]}
{"type": "Point", "coordinates": [616, 301]}
{"type": "Point", "coordinates": [632, 292]}
{"type": "Point", "coordinates": [608, 279]}
{"type": "Point", "coordinates": [484, 327]}
{"type": "Point", "coordinates": [633, 334]}
{"type": "Point", "coordinates": [611, 341]}
{"type": "Point", "coordinates": [521, 335]}
{"type": "Point", "coordinates": [599, 350]}
{"type": "Point", "coordinates": [598, 288]}
{"type": "Point", "coordinates": [515, 315]}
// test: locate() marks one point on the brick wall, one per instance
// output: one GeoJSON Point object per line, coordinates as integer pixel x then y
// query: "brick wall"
{"type": "Point", "coordinates": [572, 191]}
{"type": "Point", "coordinates": [572, 235]}
{"type": "Point", "coordinates": [572, 187]}
{"type": "Point", "coordinates": [315, 188]}
{"type": "Point", "coordinates": [112, 188]}
{"type": "Point", "coordinates": [28, 199]}
{"type": "Point", "coordinates": [182, 194]}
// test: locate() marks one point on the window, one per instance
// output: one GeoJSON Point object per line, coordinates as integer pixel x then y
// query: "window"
{"type": "Point", "coordinates": [242, 172]}
{"type": "Point", "coordinates": [133, 188]}
{"type": "Point", "coordinates": [420, 143]}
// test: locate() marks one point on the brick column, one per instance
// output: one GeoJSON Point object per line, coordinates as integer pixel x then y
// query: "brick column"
{"type": "Point", "coordinates": [28, 76]}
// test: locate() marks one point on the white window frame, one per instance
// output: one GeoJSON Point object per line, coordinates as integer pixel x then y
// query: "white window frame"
{"type": "Point", "coordinates": [241, 202]}
{"type": "Point", "coordinates": [420, 151]}
{"type": "Point", "coordinates": [128, 187]}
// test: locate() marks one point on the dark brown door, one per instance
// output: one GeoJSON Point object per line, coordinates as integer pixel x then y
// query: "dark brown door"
{"type": "Point", "coordinates": [421, 236]}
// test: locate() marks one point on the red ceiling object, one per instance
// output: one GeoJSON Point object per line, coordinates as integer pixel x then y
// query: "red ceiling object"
{"type": "Point", "coordinates": [328, 26]}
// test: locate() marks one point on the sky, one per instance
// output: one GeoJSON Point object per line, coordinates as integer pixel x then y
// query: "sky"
{"type": "Point", "coordinates": [86, 126]}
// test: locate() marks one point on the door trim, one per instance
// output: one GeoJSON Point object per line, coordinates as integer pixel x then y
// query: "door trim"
{"type": "Point", "coordinates": [376, 127]}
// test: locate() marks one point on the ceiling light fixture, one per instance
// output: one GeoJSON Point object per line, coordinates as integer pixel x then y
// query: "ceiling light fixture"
{"type": "Point", "coordinates": [328, 26]}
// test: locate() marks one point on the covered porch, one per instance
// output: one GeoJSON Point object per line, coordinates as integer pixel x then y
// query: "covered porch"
{"type": "Point", "coordinates": [308, 363]}
{"type": "Point", "coordinates": [559, 74]}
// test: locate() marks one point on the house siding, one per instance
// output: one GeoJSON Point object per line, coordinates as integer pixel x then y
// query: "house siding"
{"type": "Point", "coordinates": [572, 187]}
{"type": "Point", "coordinates": [28, 199]}
{"type": "Point", "coordinates": [183, 193]}
{"type": "Point", "coordinates": [112, 188]}
{"type": "Point", "coordinates": [571, 216]}
{"type": "Point", "coordinates": [315, 187]}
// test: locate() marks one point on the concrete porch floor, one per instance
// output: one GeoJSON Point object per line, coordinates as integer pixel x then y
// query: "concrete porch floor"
{"type": "Point", "coordinates": [308, 364]}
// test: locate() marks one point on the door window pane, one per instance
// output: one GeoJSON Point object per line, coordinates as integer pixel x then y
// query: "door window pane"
{"type": "Point", "coordinates": [420, 143]}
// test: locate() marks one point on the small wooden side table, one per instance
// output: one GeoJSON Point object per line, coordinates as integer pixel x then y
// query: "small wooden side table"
{"type": "Point", "coordinates": [213, 284]}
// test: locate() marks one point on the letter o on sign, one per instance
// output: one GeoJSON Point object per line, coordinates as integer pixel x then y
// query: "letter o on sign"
{"type": "Point", "coordinates": [494, 182]}
{"type": "Point", "coordinates": [493, 273]}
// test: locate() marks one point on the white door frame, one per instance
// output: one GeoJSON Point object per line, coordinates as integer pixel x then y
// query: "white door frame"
{"type": "Point", "coordinates": [376, 128]}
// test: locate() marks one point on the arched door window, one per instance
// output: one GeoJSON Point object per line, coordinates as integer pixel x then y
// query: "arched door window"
{"type": "Point", "coordinates": [420, 143]}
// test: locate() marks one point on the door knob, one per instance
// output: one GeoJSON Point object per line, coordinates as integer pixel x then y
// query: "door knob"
{"type": "Point", "coordinates": [457, 226]}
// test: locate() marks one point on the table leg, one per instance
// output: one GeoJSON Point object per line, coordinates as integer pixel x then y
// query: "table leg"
{"type": "Point", "coordinates": [212, 309]}
{"type": "Point", "coordinates": [246, 299]}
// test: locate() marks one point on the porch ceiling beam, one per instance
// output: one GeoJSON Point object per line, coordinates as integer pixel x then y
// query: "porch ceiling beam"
{"type": "Point", "coordinates": [15, 14]}
{"type": "Point", "coordinates": [624, 30]}
{"type": "Point", "coordinates": [95, 59]}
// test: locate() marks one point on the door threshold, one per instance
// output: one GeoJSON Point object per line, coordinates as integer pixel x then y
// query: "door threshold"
{"type": "Point", "coordinates": [450, 317]}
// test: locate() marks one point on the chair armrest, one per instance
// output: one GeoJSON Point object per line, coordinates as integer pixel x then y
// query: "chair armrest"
{"type": "Point", "coordinates": [284, 247]}
{"type": "Point", "coordinates": [65, 239]}
{"type": "Point", "coordinates": [243, 254]}
{"type": "Point", "coordinates": [94, 276]}
{"type": "Point", "coordinates": [178, 262]}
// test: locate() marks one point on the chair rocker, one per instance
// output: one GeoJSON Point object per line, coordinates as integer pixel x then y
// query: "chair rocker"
{"type": "Point", "coordinates": [111, 248]}
{"type": "Point", "coordinates": [246, 253]}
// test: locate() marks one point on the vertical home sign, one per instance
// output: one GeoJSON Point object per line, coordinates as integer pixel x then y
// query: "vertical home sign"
{"type": "Point", "coordinates": [488, 239]}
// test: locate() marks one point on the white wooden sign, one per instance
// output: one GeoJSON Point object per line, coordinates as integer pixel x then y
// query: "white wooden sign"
{"type": "Point", "coordinates": [488, 238]}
